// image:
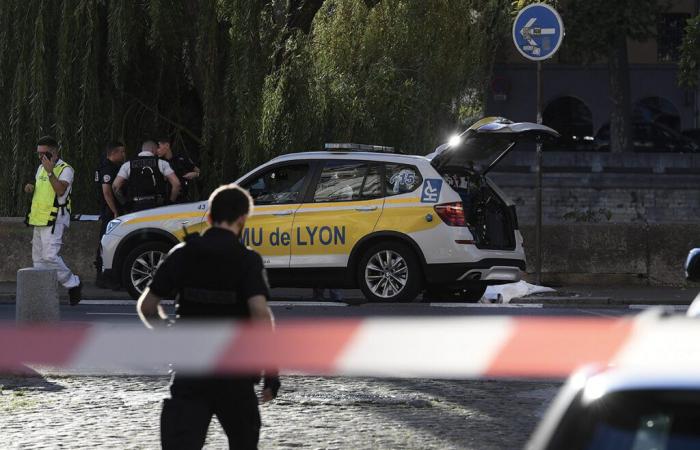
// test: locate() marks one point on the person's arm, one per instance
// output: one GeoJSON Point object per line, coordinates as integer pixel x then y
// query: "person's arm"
{"type": "Point", "coordinates": [150, 310]}
{"type": "Point", "coordinates": [108, 194]}
{"type": "Point", "coordinates": [175, 187]}
{"type": "Point", "coordinates": [59, 186]}
{"type": "Point", "coordinates": [29, 187]}
{"type": "Point", "coordinates": [192, 174]}
{"type": "Point", "coordinates": [118, 183]}
{"type": "Point", "coordinates": [257, 291]}
{"type": "Point", "coordinates": [165, 283]}
{"type": "Point", "coordinates": [261, 313]}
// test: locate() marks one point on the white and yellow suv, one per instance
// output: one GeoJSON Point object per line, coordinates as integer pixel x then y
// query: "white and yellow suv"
{"type": "Point", "coordinates": [391, 224]}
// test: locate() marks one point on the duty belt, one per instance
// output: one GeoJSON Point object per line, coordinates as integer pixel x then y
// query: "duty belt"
{"type": "Point", "coordinates": [208, 296]}
{"type": "Point", "coordinates": [146, 197]}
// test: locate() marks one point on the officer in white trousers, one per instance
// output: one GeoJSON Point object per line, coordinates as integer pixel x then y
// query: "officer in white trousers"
{"type": "Point", "coordinates": [50, 214]}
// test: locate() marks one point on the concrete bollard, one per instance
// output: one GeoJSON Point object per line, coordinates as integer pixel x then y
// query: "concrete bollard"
{"type": "Point", "coordinates": [37, 296]}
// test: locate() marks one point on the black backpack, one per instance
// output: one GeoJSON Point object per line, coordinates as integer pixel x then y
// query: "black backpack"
{"type": "Point", "coordinates": [146, 182]}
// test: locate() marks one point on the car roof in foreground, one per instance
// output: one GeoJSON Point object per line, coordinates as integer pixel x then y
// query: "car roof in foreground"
{"type": "Point", "coordinates": [369, 156]}
{"type": "Point", "coordinates": [629, 379]}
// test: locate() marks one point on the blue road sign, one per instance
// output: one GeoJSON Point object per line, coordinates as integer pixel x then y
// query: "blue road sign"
{"type": "Point", "coordinates": [538, 31]}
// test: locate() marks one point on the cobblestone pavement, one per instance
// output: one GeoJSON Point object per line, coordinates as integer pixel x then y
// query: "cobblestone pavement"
{"type": "Point", "coordinates": [311, 412]}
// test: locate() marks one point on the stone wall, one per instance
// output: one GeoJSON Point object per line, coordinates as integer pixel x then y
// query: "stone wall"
{"type": "Point", "coordinates": [79, 247]}
{"type": "Point", "coordinates": [572, 253]}
{"type": "Point", "coordinates": [589, 253]}
{"type": "Point", "coordinates": [604, 187]}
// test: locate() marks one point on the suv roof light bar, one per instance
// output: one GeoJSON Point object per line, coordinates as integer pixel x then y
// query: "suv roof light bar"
{"type": "Point", "coordinates": [350, 147]}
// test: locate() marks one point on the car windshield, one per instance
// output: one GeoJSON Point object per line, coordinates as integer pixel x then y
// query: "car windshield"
{"type": "Point", "coordinates": [634, 420]}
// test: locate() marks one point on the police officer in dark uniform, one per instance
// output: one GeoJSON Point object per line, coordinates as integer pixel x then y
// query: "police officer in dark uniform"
{"type": "Point", "coordinates": [213, 277]}
{"type": "Point", "coordinates": [115, 155]}
{"type": "Point", "coordinates": [146, 176]}
{"type": "Point", "coordinates": [183, 166]}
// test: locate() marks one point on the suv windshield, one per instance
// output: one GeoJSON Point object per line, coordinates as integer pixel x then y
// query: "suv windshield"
{"type": "Point", "coordinates": [634, 420]}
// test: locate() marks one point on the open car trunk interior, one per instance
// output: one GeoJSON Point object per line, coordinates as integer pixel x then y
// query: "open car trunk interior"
{"type": "Point", "coordinates": [490, 220]}
{"type": "Point", "coordinates": [464, 163]}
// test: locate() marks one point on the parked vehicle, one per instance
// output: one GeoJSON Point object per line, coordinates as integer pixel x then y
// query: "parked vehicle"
{"type": "Point", "coordinates": [649, 137]}
{"type": "Point", "coordinates": [693, 134]}
{"type": "Point", "coordinates": [360, 216]}
{"type": "Point", "coordinates": [623, 409]}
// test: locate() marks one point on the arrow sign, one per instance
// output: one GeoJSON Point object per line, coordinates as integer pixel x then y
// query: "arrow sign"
{"type": "Point", "coordinates": [538, 31]}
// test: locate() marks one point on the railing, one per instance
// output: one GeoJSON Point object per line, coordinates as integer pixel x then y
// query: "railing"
{"type": "Point", "coordinates": [599, 162]}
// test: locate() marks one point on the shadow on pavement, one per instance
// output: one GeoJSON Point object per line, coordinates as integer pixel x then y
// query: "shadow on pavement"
{"type": "Point", "coordinates": [27, 379]}
{"type": "Point", "coordinates": [494, 413]}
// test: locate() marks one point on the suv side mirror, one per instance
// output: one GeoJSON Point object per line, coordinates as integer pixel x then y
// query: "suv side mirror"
{"type": "Point", "coordinates": [692, 265]}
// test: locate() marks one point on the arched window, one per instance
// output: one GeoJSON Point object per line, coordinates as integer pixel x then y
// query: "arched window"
{"type": "Point", "coordinates": [657, 110]}
{"type": "Point", "coordinates": [573, 120]}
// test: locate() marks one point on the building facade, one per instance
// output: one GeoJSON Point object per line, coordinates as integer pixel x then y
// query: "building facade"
{"type": "Point", "coordinates": [577, 98]}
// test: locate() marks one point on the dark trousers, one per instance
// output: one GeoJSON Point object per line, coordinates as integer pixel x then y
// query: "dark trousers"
{"type": "Point", "coordinates": [186, 415]}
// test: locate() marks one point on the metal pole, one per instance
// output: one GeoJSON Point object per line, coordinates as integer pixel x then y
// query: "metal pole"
{"type": "Point", "coordinates": [538, 170]}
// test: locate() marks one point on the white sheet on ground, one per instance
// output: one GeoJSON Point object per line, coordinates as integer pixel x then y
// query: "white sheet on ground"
{"type": "Point", "coordinates": [504, 293]}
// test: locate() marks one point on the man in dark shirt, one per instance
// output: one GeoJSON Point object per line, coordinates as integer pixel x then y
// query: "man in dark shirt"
{"type": "Point", "coordinates": [214, 277]}
{"type": "Point", "coordinates": [115, 155]}
{"type": "Point", "coordinates": [183, 166]}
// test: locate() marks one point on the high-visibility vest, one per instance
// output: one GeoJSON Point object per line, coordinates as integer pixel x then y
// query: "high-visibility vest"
{"type": "Point", "coordinates": [45, 206]}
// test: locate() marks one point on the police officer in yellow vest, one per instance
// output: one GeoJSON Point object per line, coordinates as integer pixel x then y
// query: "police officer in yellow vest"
{"type": "Point", "coordinates": [50, 214]}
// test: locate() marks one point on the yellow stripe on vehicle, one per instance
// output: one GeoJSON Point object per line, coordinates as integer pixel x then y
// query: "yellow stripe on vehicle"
{"type": "Point", "coordinates": [400, 200]}
{"type": "Point", "coordinates": [339, 206]}
{"type": "Point", "coordinates": [408, 220]}
{"type": "Point", "coordinates": [163, 217]}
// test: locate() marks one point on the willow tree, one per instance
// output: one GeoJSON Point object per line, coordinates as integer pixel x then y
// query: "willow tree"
{"type": "Point", "coordinates": [689, 64]}
{"type": "Point", "coordinates": [235, 82]}
{"type": "Point", "coordinates": [89, 72]}
{"type": "Point", "coordinates": [404, 73]}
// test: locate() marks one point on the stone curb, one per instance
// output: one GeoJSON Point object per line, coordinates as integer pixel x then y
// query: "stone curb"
{"type": "Point", "coordinates": [9, 297]}
{"type": "Point", "coordinates": [554, 302]}
{"type": "Point", "coordinates": [566, 301]}
{"type": "Point", "coordinates": [598, 302]}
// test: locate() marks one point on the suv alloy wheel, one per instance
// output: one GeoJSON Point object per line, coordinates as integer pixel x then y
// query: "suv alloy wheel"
{"type": "Point", "coordinates": [389, 272]}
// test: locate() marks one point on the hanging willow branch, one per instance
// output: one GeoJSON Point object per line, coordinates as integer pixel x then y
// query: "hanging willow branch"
{"type": "Point", "coordinates": [237, 82]}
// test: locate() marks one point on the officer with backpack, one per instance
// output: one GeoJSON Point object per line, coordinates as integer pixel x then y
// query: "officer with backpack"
{"type": "Point", "coordinates": [147, 176]}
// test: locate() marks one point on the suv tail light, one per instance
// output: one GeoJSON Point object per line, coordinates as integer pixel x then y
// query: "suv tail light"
{"type": "Point", "coordinates": [452, 214]}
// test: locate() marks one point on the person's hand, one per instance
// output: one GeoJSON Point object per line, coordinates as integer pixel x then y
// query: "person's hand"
{"type": "Point", "coordinates": [48, 164]}
{"type": "Point", "coordinates": [271, 386]}
{"type": "Point", "coordinates": [190, 176]}
{"type": "Point", "coordinates": [266, 395]}
{"type": "Point", "coordinates": [29, 188]}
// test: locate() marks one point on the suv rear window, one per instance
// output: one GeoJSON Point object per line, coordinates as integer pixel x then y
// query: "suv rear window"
{"type": "Point", "coordinates": [401, 179]}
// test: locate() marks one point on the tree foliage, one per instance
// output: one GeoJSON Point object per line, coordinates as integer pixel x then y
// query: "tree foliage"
{"type": "Point", "coordinates": [404, 73]}
{"type": "Point", "coordinates": [594, 26]}
{"type": "Point", "coordinates": [689, 64]}
{"type": "Point", "coordinates": [235, 82]}
{"type": "Point", "coordinates": [598, 30]}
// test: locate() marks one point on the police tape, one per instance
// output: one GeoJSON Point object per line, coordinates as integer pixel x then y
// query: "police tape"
{"type": "Point", "coordinates": [455, 347]}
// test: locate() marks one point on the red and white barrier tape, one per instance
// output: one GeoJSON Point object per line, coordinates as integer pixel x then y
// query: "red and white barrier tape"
{"type": "Point", "coordinates": [464, 347]}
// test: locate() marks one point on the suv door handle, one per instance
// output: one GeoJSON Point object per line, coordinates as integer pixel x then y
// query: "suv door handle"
{"type": "Point", "coordinates": [283, 213]}
{"type": "Point", "coordinates": [366, 208]}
